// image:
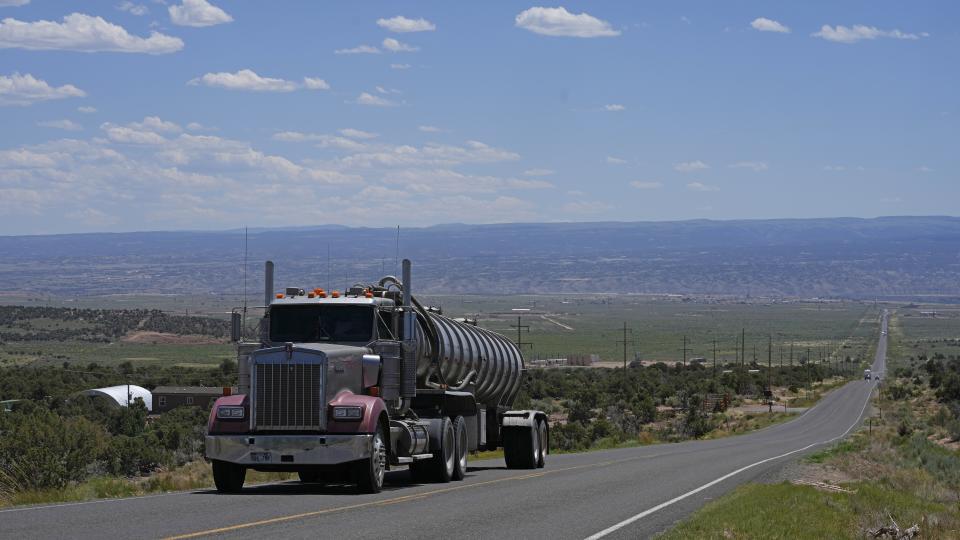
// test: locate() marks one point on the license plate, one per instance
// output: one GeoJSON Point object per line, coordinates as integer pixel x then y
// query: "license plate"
{"type": "Point", "coordinates": [261, 457]}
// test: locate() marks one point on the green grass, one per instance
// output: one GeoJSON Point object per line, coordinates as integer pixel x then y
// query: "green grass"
{"type": "Point", "coordinates": [50, 353]}
{"type": "Point", "coordinates": [786, 511]}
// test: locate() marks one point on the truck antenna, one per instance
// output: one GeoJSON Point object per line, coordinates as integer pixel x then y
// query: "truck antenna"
{"type": "Point", "coordinates": [397, 266]}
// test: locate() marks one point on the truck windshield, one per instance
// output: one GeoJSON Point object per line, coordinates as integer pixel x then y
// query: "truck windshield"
{"type": "Point", "coordinates": [321, 323]}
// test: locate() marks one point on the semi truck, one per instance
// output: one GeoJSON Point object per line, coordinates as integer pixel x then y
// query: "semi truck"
{"type": "Point", "coordinates": [341, 387]}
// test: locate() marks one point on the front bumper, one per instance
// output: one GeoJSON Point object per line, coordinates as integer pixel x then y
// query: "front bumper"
{"type": "Point", "coordinates": [287, 450]}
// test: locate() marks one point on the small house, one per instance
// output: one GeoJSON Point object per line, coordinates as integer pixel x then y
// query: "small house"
{"type": "Point", "coordinates": [166, 398]}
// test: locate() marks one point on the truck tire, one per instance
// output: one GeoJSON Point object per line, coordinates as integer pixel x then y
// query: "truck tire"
{"type": "Point", "coordinates": [521, 447]}
{"type": "Point", "coordinates": [542, 437]}
{"type": "Point", "coordinates": [440, 467]}
{"type": "Point", "coordinates": [370, 472]}
{"type": "Point", "coordinates": [460, 444]}
{"type": "Point", "coordinates": [228, 477]}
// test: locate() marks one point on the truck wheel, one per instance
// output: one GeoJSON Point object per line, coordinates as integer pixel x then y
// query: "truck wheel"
{"type": "Point", "coordinates": [370, 472]}
{"type": "Point", "coordinates": [440, 467]}
{"type": "Point", "coordinates": [544, 443]}
{"type": "Point", "coordinates": [460, 444]}
{"type": "Point", "coordinates": [521, 447]}
{"type": "Point", "coordinates": [310, 477]}
{"type": "Point", "coordinates": [228, 477]}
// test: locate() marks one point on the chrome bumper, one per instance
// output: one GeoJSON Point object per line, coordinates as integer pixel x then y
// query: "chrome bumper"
{"type": "Point", "coordinates": [285, 450]}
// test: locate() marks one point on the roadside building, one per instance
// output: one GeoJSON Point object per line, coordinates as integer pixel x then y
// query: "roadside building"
{"type": "Point", "coordinates": [166, 398]}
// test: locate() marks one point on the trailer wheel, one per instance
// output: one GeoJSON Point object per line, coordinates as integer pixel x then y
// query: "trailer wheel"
{"type": "Point", "coordinates": [441, 466]}
{"type": "Point", "coordinates": [228, 477]}
{"type": "Point", "coordinates": [544, 443]}
{"type": "Point", "coordinates": [521, 447]}
{"type": "Point", "coordinates": [370, 472]}
{"type": "Point", "coordinates": [460, 443]}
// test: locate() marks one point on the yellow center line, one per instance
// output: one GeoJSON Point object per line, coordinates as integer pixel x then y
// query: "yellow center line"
{"type": "Point", "coordinates": [396, 500]}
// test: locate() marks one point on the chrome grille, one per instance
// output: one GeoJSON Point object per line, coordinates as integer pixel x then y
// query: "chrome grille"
{"type": "Point", "coordinates": [288, 396]}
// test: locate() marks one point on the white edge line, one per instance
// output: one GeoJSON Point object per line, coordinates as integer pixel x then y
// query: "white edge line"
{"type": "Point", "coordinates": [663, 505]}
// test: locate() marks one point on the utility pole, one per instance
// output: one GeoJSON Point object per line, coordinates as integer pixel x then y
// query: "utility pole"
{"type": "Point", "coordinates": [520, 328]}
{"type": "Point", "coordinates": [769, 361]}
{"type": "Point", "coordinates": [625, 341]}
{"type": "Point", "coordinates": [685, 349]}
{"type": "Point", "coordinates": [791, 354]}
{"type": "Point", "coordinates": [714, 358]}
{"type": "Point", "coordinates": [743, 346]}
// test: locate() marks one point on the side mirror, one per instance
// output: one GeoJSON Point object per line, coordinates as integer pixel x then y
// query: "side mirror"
{"type": "Point", "coordinates": [235, 326]}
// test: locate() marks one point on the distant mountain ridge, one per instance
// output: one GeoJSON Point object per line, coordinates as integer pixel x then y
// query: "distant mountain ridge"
{"type": "Point", "coordinates": [849, 257]}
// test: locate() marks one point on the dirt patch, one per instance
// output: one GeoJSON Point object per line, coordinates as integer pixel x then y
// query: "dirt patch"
{"type": "Point", "coordinates": [160, 338]}
{"type": "Point", "coordinates": [810, 474]}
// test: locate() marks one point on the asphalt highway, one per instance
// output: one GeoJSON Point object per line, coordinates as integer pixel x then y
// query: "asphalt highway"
{"type": "Point", "coordinates": [624, 493]}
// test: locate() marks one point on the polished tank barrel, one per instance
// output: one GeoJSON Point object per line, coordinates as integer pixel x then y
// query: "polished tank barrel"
{"type": "Point", "coordinates": [467, 353]}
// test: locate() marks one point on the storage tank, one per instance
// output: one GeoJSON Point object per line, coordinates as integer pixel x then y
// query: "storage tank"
{"type": "Point", "coordinates": [468, 354]}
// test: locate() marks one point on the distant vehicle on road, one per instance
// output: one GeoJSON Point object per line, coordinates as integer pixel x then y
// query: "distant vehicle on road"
{"type": "Point", "coordinates": [342, 387]}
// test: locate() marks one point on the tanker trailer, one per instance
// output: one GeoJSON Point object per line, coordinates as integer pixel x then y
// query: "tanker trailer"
{"type": "Point", "coordinates": [342, 387]}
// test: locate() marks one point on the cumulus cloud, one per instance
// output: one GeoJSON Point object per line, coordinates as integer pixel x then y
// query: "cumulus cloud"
{"type": "Point", "coordinates": [366, 98]}
{"type": "Point", "coordinates": [13, 3]}
{"type": "Point", "coordinates": [756, 166]}
{"type": "Point", "coordinates": [699, 186]}
{"type": "Point", "coordinates": [357, 134]}
{"type": "Point", "coordinates": [615, 160]}
{"type": "Point", "coordinates": [646, 184]}
{"type": "Point", "coordinates": [401, 24]}
{"type": "Point", "coordinates": [156, 125]}
{"type": "Point", "coordinates": [65, 124]}
{"type": "Point", "coordinates": [134, 9]}
{"type": "Point", "coordinates": [359, 49]}
{"type": "Point", "coordinates": [397, 46]}
{"type": "Point", "coordinates": [859, 32]}
{"type": "Point", "coordinates": [84, 33]}
{"type": "Point", "coordinates": [764, 24]}
{"type": "Point", "coordinates": [690, 166]}
{"type": "Point", "coordinates": [24, 159]}
{"type": "Point", "coordinates": [614, 107]}
{"type": "Point", "coordinates": [247, 79]}
{"type": "Point", "coordinates": [131, 135]}
{"type": "Point", "coordinates": [313, 83]}
{"type": "Point", "coordinates": [560, 22]}
{"type": "Point", "coordinates": [26, 89]}
{"type": "Point", "coordinates": [198, 13]}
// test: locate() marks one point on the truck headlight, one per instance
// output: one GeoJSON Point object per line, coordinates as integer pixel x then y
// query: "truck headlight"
{"type": "Point", "coordinates": [347, 413]}
{"type": "Point", "coordinates": [229, 413]}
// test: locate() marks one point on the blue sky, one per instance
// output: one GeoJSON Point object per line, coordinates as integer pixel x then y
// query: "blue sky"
{"type": "Point", "coordinates": [154, 115]}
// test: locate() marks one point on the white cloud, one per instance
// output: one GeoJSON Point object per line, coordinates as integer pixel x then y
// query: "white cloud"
{"type": "Point", "coordinates": [87, 109]}
{"type": "Point", "coordinates": [313, 83]}
{"type": "Point", "coordinates": [756, 166]}
{"type": "Point", "coordinates": [197, 126]}
{"type": "Point", "coordinates": [429, 129]}
{"type": "Point", "coordinates": [764, 24]}
{"type": "Point", "coordinates": [430, 155]}
{"type": "Point", "coordinates": [383, 90]}
{"type": "Point", "coordinates": [198, 13]}
{"type": "Point", "coordinates": [699, 186]}
{"type": "Point", "coordinates": [366, 98]}
{"type": "Point", "coordinates": [26, 89]}
{"type": "Point", "coordinates": [156, 125]}
{"type": "Point", "coordinates": [646, 185]}
{"type": "Point", "coordinates": [322, 140]}
{"type": "Point", "coordinates": [690, 166]}
{"type": "Point", "coordinates": [66, 125]}
{"type": "Point", "coordinates": [25, 159]}
{"type": "Point", "coordinates": [560, 22]}
{"type": "Point", "coordinates": [843, 34]}
{"type": "Point", "coordinates": [359, 49]}
{"type": "Point", "coordinates": [84, 33]}
{"type": "Point", "coordinates": [397, 46]}
{"type": "Point", "coordinates": [401, 24]}
{"type": "Point", "coordinates": [245, 79]}
{"type": "Point", "coordinates": [400, 66]}
{"type": "Point", "coordinates": [615, 160]}
{"type": "Point", "coordinates": [538, 172]}
{"type": "Point", "coordinates": [835, 168]}
{"type": "Point", "coordinates": [13, 3]}
{"type": "Point", "coordinates": [134, 9]}
{"type": "Point", "coordinates": [614, 107]}
{"type": "Point", "coordinates": [131, 135]}
{"type": "Point", "coordinates": [357, 134]}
